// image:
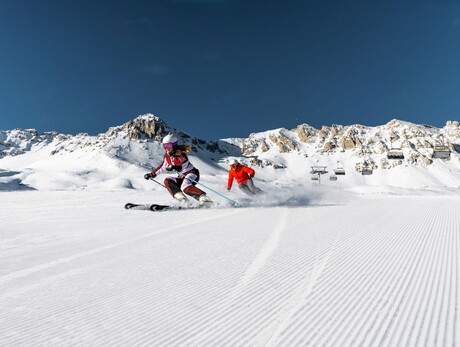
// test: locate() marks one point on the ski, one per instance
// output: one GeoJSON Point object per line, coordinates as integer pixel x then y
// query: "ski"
{"type": "Point", "coordinates": [157, 207]}
{"type": "Point", "coordinates": [151, 207]}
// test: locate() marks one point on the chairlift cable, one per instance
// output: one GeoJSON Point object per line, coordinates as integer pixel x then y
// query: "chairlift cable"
{"type": "Point", "coordinates": [444, 115]}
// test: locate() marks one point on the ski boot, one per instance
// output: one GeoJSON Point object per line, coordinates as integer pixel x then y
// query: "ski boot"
{"type": "Point", "coordinates": [205, 201]}
{"type": "Point", "coordinates": [182, 199]}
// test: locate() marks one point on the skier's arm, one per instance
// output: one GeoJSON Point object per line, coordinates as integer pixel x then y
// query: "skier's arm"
{"type": "Point", "coordinates": [160, 169]}
{"type": "Point", "coordinates": [249, 171]}
{"type": "Point", "coordinates": [230, 180]}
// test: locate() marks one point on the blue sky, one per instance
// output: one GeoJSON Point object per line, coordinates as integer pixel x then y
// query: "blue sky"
{"type": "Point", "coordinates": [226, 68]}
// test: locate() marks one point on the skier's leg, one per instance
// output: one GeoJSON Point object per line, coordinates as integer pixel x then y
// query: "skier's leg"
{"type": "Point", "coordinates": [253, 188]}
{"type": "Point", "coordinates": [250, 185]}
{"type": "Point", "coordinates": [259, 191]}
{"type": "Point", "coordinates": [245, 189]}
{"type": "Point", "coordinates": [173, 185]}
{"type": "Point", "coordinates": [193, 191]}
{"type": "Point", "coordinates": [190, 189]}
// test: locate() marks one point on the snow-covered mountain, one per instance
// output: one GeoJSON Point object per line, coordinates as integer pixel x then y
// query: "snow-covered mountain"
{"type": "Point", "coordinates": [119, 157]}
{"type": "Point", "coordinates": [371, 144]}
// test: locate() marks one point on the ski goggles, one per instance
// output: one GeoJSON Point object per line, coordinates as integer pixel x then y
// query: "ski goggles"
{"type": "Point", "coordinates": [168, 146]}
{"type": "Point", "coordinates": [233, 166]}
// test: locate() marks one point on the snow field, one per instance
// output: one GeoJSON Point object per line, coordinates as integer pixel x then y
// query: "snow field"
{"type": "Point", "coordinates": [78, 269]}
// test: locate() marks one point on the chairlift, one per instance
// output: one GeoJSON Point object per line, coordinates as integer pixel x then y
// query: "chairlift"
{"type": "Point", "coordinates": [366, 169]}
{"type": "Point", "coordinates": [318, 170]}
{"type": "Point", "coordinates": [333, 178]}
{"type": "Point", "coordinates": [395, 153]}
{"type": "Point", "coordinates": [339, 170]}
{"type": "Point", "coordinates": [441, 152]}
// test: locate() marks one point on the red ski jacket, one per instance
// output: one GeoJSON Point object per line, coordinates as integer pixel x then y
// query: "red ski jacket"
{"type": "Point", "coordinates": [241, 174]}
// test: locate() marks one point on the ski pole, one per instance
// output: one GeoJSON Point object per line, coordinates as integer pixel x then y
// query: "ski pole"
{"type": "Point", "coordinates": [158, 182]}
{"type": "Point", "coordinates": [212, 190]}
{"type": "Point", "coordinates": [272, 185]}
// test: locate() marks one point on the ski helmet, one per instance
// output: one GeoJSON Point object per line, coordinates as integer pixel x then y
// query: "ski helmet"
{"type": "Point", "coordinates": [169, 141]}
{"type": "Point", "coordinates": [233, 163]}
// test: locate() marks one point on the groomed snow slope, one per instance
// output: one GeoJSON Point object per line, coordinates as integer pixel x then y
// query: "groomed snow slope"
{"type": "Point", "coordinates": [77, 269]}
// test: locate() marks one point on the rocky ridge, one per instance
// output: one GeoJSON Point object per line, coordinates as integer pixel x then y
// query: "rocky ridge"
{"type": "Point", "coordinates": [143, 129]}
{"type": "Point", "coordinates": [369, 146]}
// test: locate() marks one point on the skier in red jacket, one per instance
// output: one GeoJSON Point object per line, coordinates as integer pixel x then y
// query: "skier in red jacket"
{"type": "Point", "coordinates": [243, 176]}
{"type": "Point", "coordinates": [176, 159]}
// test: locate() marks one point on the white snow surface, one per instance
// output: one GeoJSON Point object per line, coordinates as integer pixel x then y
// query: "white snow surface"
{"type": "Point", "coordinates": [323, 268]}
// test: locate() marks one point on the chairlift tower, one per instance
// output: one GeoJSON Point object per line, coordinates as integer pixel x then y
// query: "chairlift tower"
{"type": "Point", "coordinates": [316, 172]}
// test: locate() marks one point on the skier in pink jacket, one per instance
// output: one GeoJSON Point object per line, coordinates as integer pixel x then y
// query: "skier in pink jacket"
{"type": "Point", "coordinates": [176, 159]}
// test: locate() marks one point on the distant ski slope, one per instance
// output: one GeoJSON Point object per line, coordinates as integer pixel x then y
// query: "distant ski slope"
{"type": "Point", "coordinates": [76, 268]}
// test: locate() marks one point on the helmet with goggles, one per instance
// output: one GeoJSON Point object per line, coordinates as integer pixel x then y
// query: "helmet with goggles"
{"type": "Point", "coordinates": [233, 163]}
{"type": "Point", "coordinates": [169, 141]}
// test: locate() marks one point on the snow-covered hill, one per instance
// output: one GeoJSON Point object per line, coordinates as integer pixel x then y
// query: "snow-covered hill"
{"type": "Point", "coordinates": [120, 157]}
{"type": "Point", "coordinates": [77, 269]}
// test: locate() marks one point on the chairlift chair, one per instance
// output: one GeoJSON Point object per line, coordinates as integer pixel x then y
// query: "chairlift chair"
{"type": "Point", "coordinates": [339, 170]}
{"type": "Point", "coordinates": [441, 152]}
{"type": "Point", "coordinates": [395, 153]}
{"type": "Point", "coordinates": [333, 178]}
{"type": "Point", "coordinates": [315, 177]}
{"type": "Point", "coordinates": [366, 170]}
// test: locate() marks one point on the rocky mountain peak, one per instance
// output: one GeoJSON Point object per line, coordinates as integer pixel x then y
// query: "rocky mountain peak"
{"type": "Point", "coordinates": [452, 130]}
{"type": "Point", "coordinates": [144, 126]}
{"type": "Point", "coordinates": [305, 132]}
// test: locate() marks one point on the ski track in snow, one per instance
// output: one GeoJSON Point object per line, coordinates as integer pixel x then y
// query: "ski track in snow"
{"type": "Point", "coordinates": [31, 270]}
{"type": "Point", "coordinates": [267, 249]}
{"type": "Point", "coordinates": [299, 297]}
{"type": "Point", "coordinates": [372, 272]}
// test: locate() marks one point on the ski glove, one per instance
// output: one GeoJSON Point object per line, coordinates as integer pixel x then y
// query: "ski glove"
{"type": "Point", "coordinates": [173, 167]}
{"type": "Point", "coordinates": [251, 175]}
{"type": "Point", "coordinates": [150, 175]}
